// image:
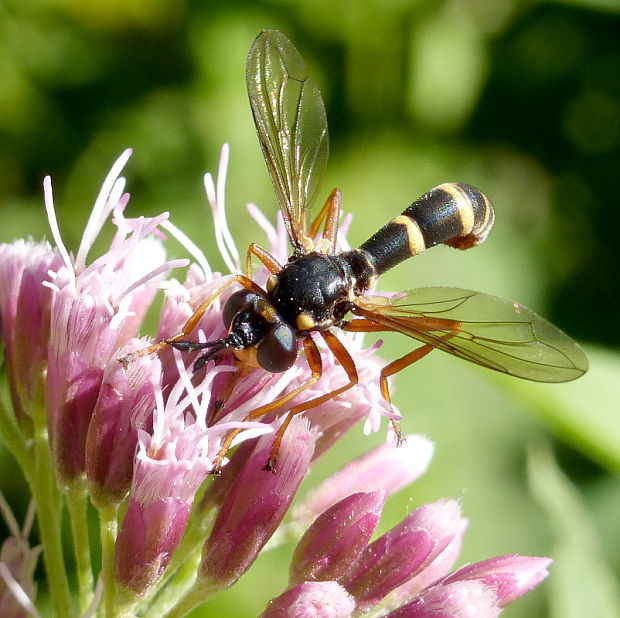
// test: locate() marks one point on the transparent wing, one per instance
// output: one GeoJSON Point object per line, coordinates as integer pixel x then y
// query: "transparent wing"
{"type": "Point", "coordinates": [486, 330]}
{"type": "Point", "coordinates": [291, 124]}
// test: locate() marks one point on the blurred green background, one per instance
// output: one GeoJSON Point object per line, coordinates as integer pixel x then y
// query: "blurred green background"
{"type": "Point", "coordinates": [520, 98]}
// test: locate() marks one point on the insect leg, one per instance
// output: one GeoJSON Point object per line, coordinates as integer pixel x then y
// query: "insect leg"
{"type": "Point", "coordinates": [189, 326]}
{"type": "Point", "coordinates": [400, 364]}
{"type": "Point", "coordinates": [363, 325]}
{"type": "Point", "coordinates": [264, 256]}
{"type": "Point", "coordinates": [347, 363]}
{"type": "Point", "coordinates": [316, 366]}
{"type": "Point", "coordinates": [216, 407]}
{"type": "Point", "coordinates": [330, 213]}
{"type": "Point", "coordinates": [395, 367]}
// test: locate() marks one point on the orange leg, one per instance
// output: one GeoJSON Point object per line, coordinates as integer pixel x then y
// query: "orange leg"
{"type": "Point", "coordinates": [365, 325]}
{"type": "Point", "coordinates": [316, 366]}
{"type": "Point", "coordinates": [330, 213]}
{"type": "Point", "coordinates": [395, 367]}
{"type": "Point", "coordinates": [347, 363]}
{"type": "Point", "coordinates": [362, 325]}
{"type": "Point", "coordinates": [191, 323]}
{"type": "Point", "coordinates": [264, 256]}
{"type": "Point", "coordinates": [216, 408]}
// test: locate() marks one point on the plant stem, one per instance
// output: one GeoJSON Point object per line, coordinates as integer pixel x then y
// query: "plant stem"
{"type": "Point", "coordinates": [77, 498]}
{"type": "Point", "coordinates": [193, 538]}
{"type": "Point", "coordinates": [178, 586]}
{"type": "Point", "coordinates": [49, 510]}
{"type": "Point", "coordinates": [198, 593]}
{"type": "Point", "coordinates": [15, 441]}
{"type": "Point", "coordinates": [108, 522]}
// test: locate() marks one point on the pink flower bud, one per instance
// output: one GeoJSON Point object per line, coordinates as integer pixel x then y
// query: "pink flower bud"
{"type": "Point", "coordinates": [149, 535]}
{"type": "Point", "coordinates": [470, 599]}
{"type": "Point", "coordinates": [509, 576]}
{"type": "Point", "coordinates": [25, 317]}
{"type": "Point", "coordinates": [125, 405]}
{"type": "Point", "coordinates": [256, 503]}
{"type": "Point", "coordinates": [437, 569]}
{"type": "Point", "coordinates": [170, 465]}
{"type": "Point", "coordinates": [403, 552]}
{"type": "Point", "coordinates": [312, 600]}
{"type": "Point", "coordinates": [332, 545]}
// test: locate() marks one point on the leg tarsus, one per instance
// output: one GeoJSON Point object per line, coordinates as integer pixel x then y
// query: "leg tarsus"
{"type": "Point", "coordinates": [400, 438]}
{"type": "Point", "coordinates": [216, 470]}
{"type": "Point", "coordinates": [270, 465]}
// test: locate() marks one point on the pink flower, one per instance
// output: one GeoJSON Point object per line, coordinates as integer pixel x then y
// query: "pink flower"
{"type": "Point", "coordinates": [312, 600]}
{"type": "Point", "coordinates": [509, 576]}
{"type": "Point", "coordinates": [458, 600]}
{"type": "Point", "coordinates": [124, 407]}
{"type": "Point", "coordinates": [337, 538]}
{"type": "Point", "coordinates": [403, 552]}
{"type": "Point", "coordinates": [405, 569]}
{"type": "Point", "coordinates": [25, 317]}
{"type": "Point", "coordinates": [95, 309]}
{"type": "Point", "coordinates": [172, 461]}
{"type": "Point", "coordinates": [255, 505]}
{"type": "Point", "coordinates": [480, 589]}
{"type": "Point", "coordinates": [147, 434]}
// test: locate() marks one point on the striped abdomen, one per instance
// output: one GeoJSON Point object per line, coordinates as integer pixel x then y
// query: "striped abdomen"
{"type": "Point", "coordinates": [453, 213]}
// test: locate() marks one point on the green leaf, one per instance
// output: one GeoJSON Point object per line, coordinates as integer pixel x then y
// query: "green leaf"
{"type": "Point", "coordinates": [581, 582]}
{"type": "Point", "coordinates": [584, 413]}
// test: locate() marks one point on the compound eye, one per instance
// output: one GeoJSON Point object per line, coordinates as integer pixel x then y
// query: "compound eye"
{"type": "Point", "coordinates": [239, 300]}
{"type": "Point", "coordinates": [278, 350]}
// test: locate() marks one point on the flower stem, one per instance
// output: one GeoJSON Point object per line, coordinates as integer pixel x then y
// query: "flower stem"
{"type": "Point", "coordinates": [49, 510]}
{"type": "Point", "coordinates": [177, 587]}
{"type": "Point", "coordinates": [15, 441]}
{"type": "Point", "coordinates": [197, 594]}
{"type": "Point", "coordinates": [186, 552]}
{"type": "Point", "coordinates": [108, 523]}
{"type": "Point", "coordinates": [77, 497]}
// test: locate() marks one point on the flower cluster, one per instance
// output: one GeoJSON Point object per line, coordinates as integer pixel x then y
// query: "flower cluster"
{"type": "Point", "coordinates": [138, 440]}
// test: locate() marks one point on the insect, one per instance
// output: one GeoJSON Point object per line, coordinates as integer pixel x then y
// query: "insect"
{"type": "Point", "coordinates": [319, 290]}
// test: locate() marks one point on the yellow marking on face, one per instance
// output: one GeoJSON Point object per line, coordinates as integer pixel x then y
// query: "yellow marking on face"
{"type": "Point", "coordinates": [268, 312]}
{"type": "Point", "coordinates": [304, 321]}
{"type": "Point", "coordinates": [414, 234]}
{"type": "Point", "coordinates": [248, 357]}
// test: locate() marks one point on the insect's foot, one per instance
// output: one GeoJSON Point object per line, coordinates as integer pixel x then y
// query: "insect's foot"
{"type": "Point", "coordinates": [214, 411]}
{"type": "Point", "coordinates": [125, 361]}
{"type": "Point", "coordinates": [400, 438]}
{"type": "Point", "coordinates": [270, 466]}
{"type": "Point", "coordinates": [216, 470]}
